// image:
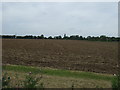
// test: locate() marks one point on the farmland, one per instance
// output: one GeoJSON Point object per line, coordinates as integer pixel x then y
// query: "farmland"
{"type": "Point", "coordinates": [89, 56]}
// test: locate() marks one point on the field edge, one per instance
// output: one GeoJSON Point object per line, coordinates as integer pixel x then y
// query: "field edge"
{"type": "Point", "coordinates": [57, 72]}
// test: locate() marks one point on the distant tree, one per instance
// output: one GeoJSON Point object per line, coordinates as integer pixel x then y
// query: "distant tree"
{"type": "Point", "coordinates": [34, 37]}
{"type": "Point", "coordinates": [0, 36]}
{"type": "Point", "coordinates": [74, 37]}
{"type": "Point", "coordinates": [8, 36]}
{"type": "Point", "coordinates": [103, 38]}
{"type": "Point", "coordinates": [81, 38]}
{"type": "Point", "coordinates": [89, 37]}
{"type": "Point", "coordinates": [14, 36]}
{"type": "Point", "coordinates": [97, 38]}
{"type": "Point", "coordinates": [65, 36]}
{"type": "Point", "coordinates": [41, 37]}
{"type": "Point", "coordinates": [117, 38]}
{"type": "Point", "coordinates": [58, 37]}
{"type": "Point", "coordinates": [28, 37]}
{"type": "Point", "coordinates": [20, 37]}
{"type": "Point", "coordinates": [50, 37]}
{"type": "Point", "coordinates": [113, 38]}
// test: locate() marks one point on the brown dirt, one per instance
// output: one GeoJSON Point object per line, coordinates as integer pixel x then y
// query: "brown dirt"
{"type": "Point", "coordinates": [100, 57]}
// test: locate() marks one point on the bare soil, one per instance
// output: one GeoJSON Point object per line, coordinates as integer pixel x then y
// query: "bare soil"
{"type": "Point", "coordinates": [90, 56]}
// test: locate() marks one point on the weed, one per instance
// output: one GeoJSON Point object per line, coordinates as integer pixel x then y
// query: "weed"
{"type": "Point", "coordinates": [31, 81]}
{"type": "Point", "coordinates": [98, 86]}
{"type": "Point", "coordinates": [6, 81]}
{"type": "Point", "coordinates": [116, 83]}
{"type": "Point", "coordinates": [72, 86]}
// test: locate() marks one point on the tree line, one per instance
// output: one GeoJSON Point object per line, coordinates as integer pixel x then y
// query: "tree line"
{"type": "Point", "coordinates": [72, 37]}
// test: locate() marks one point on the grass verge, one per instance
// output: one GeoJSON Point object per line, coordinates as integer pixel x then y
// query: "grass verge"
{"type": "Point", "coordinates": [57, 72]}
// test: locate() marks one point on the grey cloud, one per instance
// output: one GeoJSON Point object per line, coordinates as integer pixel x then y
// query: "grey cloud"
{"type": "Point", "coordinates": [59, 18]}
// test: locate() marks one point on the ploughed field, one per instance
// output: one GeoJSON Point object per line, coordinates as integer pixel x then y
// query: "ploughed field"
{"type": "Point", "coordinates": [100, 57]}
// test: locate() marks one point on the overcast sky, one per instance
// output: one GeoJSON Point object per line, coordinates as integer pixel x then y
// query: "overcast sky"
{"type": "Point", "coordinates": [71, 18]}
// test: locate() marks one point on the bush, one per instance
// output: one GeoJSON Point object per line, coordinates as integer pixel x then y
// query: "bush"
{"type": "Point", "coordinates": [116, 83]}
{"type": "Point", "coordinates": [31, 81]}
{"type": "Point", "coordinates": [6, 81]}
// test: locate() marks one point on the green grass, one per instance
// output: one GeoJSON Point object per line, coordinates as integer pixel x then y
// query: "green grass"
{"type": "Point", "coordinates": [57, 72]}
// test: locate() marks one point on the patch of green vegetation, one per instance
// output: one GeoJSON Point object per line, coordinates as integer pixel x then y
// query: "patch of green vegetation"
{"type": "Point", "coordinates": [20, 68]}
{"type": "Point", "coordinates": [116, 83]}
{"type": "Point", "coordinates": [58, 72]}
